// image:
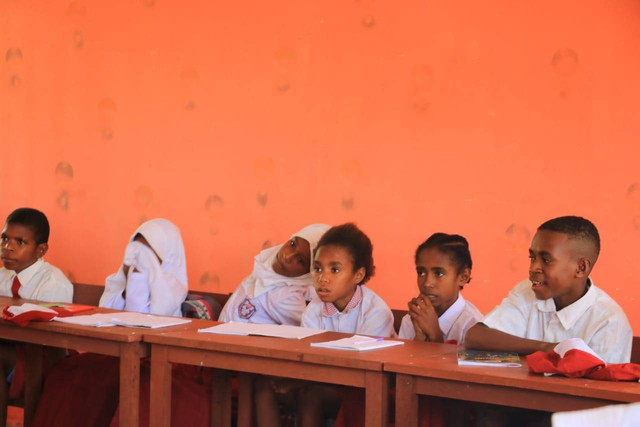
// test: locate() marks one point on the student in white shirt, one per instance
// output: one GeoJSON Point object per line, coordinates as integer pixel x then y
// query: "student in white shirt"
{"type": "Point", "coordinates": [440, 313]}
{"type": "Point", "coordinates": [26, 275]}
{"type": "Point", "coordinates": [627, 415]}
{"type": "Point", "coordinates": [343, 262]}
{"type": "Point", "coordinates": [275, 290]}
{"type": "Point", "coordinates": [24, 242]}
{"type": "Point", "coordinates": [559, 301]}
{"type": "Point", "coordinates": [153, 276]}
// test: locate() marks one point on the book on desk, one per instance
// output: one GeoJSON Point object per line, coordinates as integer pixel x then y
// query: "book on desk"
{"type": "Point", "coordinates": [488, 358]}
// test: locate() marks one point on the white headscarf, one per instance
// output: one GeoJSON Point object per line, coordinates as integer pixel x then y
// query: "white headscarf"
{"type": "Point", "coordinates": [167, 285]}
{"type": "Point", "coordinates": [165, 239]}
{"type": "Point", "coordinates": [263, 277]}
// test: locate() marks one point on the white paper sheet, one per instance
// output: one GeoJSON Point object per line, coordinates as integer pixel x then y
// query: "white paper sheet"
{"type": "Point", "coordinates": [130, 319]}
{"type": "Point", "coordinates": [278, 331]}
{"type": "Point", "coordinates": [357, 343]}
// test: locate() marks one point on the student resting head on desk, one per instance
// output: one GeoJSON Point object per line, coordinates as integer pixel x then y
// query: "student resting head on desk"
{"type": "Point", "coordinates": [440, 313]}
{"type": "Point", "coordinates": [559, 300]}
{"type": "Point", "coordinates": [275, 292]}
{"type": "Point", "coordinates": [153, 274]}
{"type": "Point", "coordinates": [26, 275]}
{"type": "Point", "coordinates": [343, 262]}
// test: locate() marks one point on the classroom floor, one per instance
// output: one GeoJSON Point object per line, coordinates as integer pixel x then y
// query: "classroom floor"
{"type": "Point", "coordinates": [14, 417]}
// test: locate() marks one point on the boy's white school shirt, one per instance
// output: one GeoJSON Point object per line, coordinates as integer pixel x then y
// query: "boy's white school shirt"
{"type": "Point", "coordinates": [40, 281]}
{"type": "Point", "coordinates": [371, 316]}
{"type": "Point", "coordinates": [595, 317]}
{"type": "Point", "coordinates": [627, 415]}
{"type": "Point", "coordinates": [454, 322]}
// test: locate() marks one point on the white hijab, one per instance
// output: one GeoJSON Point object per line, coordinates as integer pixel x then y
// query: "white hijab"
{"type": "Point", "coordinates": [165, 239]}
{"type": "Point", "coordinates": [263, 277]}
{"type": "Point", "coordinates": [167, 281]}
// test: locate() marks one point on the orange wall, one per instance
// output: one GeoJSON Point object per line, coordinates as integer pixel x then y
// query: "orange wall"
{"type": "Point", "coordinates": [243, 121]}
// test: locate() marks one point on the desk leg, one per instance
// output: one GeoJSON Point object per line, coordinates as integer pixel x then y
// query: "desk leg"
{"type": "Point", "coordinates": [377, 399]}
{"type": "Point", "coordinates": [33, 381]}
{"type": "Point", "coordinates": [245, 399]}
{"type": "Point", "coordinates": [221, 398]}
{"type": "Point", "coordinates": [160, 407]}
{"type": "Point", "coordinates": [406, 401]}
{"type": "Point", "coordinates": [130, 355]}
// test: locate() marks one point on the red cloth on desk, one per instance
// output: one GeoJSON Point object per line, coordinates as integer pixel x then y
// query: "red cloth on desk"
{"type": "Point", "coordinates": [576, 360]}
{"type": "Point", "coordinates": [29, 315]}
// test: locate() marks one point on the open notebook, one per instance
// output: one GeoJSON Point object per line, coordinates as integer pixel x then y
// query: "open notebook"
{"type": "Point", "coordinates": [131, 319]}
{"type": "Point", "coordinates": [279, 331]}
{"type": "Point", "coordinates": [358, 343]}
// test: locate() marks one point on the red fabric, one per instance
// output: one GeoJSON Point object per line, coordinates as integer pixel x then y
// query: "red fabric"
{"type": "Point", "coordinates": [91, 388]}
{"type": "Point", "coordinates": [578, 364]}
{"type": "Point", "coordinates": [16, 388]}
{"type": "Point", "coordinates": [24, 318]}
{"type": "Point", "coordinates": [432, 411]}
{"type": "Point", "coordinates": [190, 396]}
{"type": "Point", "coordinates": [15, 287]}
{"type": "Point", "coordinates": [81, 391]}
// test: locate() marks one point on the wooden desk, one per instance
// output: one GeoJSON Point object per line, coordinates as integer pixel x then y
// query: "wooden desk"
{"type": "Point", "coordinates": [125, 343]}
{"type": "Point", "coordinates": [267, 356]}
{"type": "Point", "coordinates": [436, 373]}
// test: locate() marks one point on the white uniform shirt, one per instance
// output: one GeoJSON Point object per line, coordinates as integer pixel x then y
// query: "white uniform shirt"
{"type": "Point", "coordinates": [371, 316]}
{"type": "Point", "coordinates": [40, 281]}
{"type": "Point", "coordinates": [595, 317]}
{"type": "Point", "coordinates": [280, 305]}
{"type": "Point", "coordinates": [156, 288]}
{"type": "Point", "coordinates": [454, 322]}
{"type": "Point", "coordinates": [268, 297]}
{"type": "Point", "coordinates": [614, 415]}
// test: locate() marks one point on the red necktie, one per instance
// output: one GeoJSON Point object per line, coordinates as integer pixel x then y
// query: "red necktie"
{"type": "Point", "coordinates": [15, 287]}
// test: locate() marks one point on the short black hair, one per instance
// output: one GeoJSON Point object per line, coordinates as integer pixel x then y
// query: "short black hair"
{"type": "Point", "coordinates": [575, 227]}
{"type": "Point", "coordinates": [453, 245]}
{"type": "Point", "coordinates": [351, 238]}
{"type": "Point", "coordinates": [33, 219]}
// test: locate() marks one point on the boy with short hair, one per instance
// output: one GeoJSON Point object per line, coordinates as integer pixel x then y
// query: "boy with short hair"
{"type": "Point", "coordinates": [559, 300]}
{"type": "Point", "coordinates": [23, 243]}
{"type": "Point", "coordinates": [25, 274]}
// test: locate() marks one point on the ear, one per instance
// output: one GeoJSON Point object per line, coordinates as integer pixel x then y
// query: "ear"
{"type": "Point", "coordinates": [464, 277]}
{"type": "Point", "coordinates": [584, 267]}
{"type": "Point", "coordinates": [42, 249]}
{"type": "Point", "coordinates": [360, 273]}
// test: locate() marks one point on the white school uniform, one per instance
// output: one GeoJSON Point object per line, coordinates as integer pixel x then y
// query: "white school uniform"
{"type": "Point", "coordinates": [366, 314]}
{"type": "Point", "coordinates": [157, 288]}
{"type": "Point", "coordinates": [627, 415]}
{"type": "Point", "coordinates": [268, 297]}
{"type": "Point", "coordinates": [595, 317]}
{"type": "Point", "coordinates": [454, 322]}
{"type": "Point", "coordinates": [40, 281]}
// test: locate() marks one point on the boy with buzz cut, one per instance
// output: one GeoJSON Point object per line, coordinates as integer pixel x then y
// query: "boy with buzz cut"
{"type": "Point", "coordinates": [26, 275]}
{"type": "Point", "coordinates": [559, 301]}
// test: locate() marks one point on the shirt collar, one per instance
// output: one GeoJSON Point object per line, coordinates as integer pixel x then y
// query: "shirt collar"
{"type": "Point", "coordinates": [569, 315]}
{"type": "Point", "coordinates": [448, 318]}
{"type": "Point", "coordinates": [328, 309]}
{"type": "Point", "coordinates": [25, 275]}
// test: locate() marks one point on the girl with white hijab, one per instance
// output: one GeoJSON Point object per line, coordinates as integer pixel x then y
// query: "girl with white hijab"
{"type": "Point", "coordinates": [153, 274]}
{"type": "Point", "coordinates": [277, 288]}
